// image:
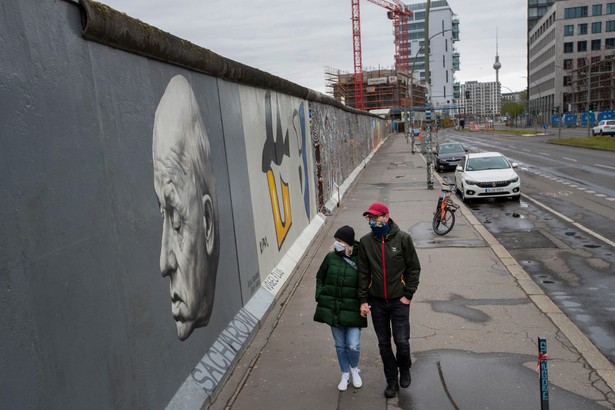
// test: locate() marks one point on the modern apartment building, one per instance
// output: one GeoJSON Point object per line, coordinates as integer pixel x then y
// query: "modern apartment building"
{"type": "Point", "coordinates": [444, 59]}
{"type": "Point", "coordinates": [571, 58]}
{"type": "Point", "coordinates": [480, 100]}
{"type": "Point", "coordinates": [535, 10]}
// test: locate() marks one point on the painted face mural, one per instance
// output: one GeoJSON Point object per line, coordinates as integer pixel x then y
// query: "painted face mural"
{"type": "Point", "coordinates": [185, 186]}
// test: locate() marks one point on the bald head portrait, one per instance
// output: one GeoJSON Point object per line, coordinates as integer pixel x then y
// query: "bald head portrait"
{"type": "Point", "coordinates": [185, 186]}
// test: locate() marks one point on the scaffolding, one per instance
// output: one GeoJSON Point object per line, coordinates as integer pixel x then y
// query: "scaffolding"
{"type": "Point", "coordinates": [383, 89]}
{"type": "Point", "coordinates": [592, 84]}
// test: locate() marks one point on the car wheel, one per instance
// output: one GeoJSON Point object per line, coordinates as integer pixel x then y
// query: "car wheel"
{"type": "Point", "coordinates": [593, 133]}
{"type": "Point", "coordinates": [600, 132]}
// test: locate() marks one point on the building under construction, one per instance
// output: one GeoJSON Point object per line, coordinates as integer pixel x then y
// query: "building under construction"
{"type": "Point", "coordinates": [382, 89]}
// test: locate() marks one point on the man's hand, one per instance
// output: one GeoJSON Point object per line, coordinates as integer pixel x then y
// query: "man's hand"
{"type": "Point", "coordinates": [364, 309]}
{"type": "Point", "coordinates": [405, 300]}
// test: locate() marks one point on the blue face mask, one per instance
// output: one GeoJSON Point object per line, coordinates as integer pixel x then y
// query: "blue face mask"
{"type": "Point", "coordinates": [379, 228]}
{"type": "Point", "coordinates": [375, 224]}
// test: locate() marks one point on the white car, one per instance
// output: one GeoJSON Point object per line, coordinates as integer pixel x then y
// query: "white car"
{"type": "Point", "coordinates": [604, 127]}
{"type": "Point", "coordinates": [487, 175]}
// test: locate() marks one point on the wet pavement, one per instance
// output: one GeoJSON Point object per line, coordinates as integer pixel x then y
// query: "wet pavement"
{"type": "Point", "coordinates": [475, 320]}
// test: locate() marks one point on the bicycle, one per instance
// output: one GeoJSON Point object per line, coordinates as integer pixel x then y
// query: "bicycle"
{"type": "Point", "coordinates": [444, 217]}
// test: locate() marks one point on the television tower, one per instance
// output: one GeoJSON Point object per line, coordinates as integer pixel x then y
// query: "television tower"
{"type": "Point", "coordinates": [496, 67]}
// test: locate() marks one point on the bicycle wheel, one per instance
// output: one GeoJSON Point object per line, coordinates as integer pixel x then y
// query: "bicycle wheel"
{"type": "Point", "coordinates": [442, 224]}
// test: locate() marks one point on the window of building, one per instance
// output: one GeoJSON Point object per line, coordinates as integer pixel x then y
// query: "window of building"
{"type": "Point", "coordinates": [568, 30]}
{"type": "Point", "coordinates": [609, 42]}
{"type": "Point", "coordinates": [567, 80]}
{"type": "Point", "coordinates": [610, 8]}
{"type": "Point", "coordinates": [581, 62]}
{"type": "Point", "coordinates": [568, 64]}
{"type": "Point", "coordinates": [576, 12]}
{"type": "Point", "coordinates": [596, 44]}
{"type": "Point", "coordinates": [582, 29]}
{"type": "Point", "coordinates": [581, 46]}
{"type": "Point", "coordinates": [597, 27]}
{"type": "Point", "coordinates": [609, 26]}
{"type": "Point", "coordinates": [597, 10]}
{"type": "Point", "coordinates": [568, 47]}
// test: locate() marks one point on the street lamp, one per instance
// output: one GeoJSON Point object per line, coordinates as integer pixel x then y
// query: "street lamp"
{"type": "Point", "coordinates": [539, 102]}
{"type": "Point", "coordinates": [410, 89]}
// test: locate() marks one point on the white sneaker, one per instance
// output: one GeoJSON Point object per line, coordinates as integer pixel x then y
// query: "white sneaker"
{"type": "Point", "coordinates": [356, 378]}
{"type": "Point", "coordinates": [344, 382]}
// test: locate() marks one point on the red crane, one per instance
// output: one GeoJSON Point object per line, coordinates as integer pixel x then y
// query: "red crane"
{"type": "Point", "coordinates": [399, 13]}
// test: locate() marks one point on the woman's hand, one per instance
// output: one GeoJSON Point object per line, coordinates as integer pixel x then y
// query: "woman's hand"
{"type": "Point", "coordinates": [405, 300]}
{"type": "Point", "coordinates": [364, 309]}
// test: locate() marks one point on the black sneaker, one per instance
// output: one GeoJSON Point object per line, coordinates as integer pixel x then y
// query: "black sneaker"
{"type": "Point", "coordinates": [391, 390]}
{"type": "Point", "coordinates": [404, 378]}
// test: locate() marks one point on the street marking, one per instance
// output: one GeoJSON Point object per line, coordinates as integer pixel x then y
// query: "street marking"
{"type": "Point", "coordinates": [570, 159]}
{"type": "Point", "coordinates": [565, 218]}
{"type": "Point", "coordinates": [544, 153]}
{"type": "Point", "coordinates": [604, 166]}
{"type": "Point", "coordinates": [527, 150]}
{"type": "Point", "coordinates": [601, 195]}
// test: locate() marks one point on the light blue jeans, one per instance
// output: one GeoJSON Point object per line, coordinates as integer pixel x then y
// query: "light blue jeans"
{"type": "Point", "coordinates": [347, 345]}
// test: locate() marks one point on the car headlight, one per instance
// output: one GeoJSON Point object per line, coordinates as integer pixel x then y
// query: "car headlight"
{"type": "Point", "coordinates": [514, 180]}
{"type": "Point", "coordinates": [470, 182]}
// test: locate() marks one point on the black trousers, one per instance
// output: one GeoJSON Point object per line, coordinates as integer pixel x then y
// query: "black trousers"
{"type": "Point", "coordinates": [392, 317]}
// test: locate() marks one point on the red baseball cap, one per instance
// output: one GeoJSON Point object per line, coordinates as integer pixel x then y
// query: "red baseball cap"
{"type": "Point", "coordinates": [377, 208]}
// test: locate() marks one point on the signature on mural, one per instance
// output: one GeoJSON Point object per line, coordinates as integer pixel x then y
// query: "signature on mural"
{"type": "Point", "coordinates": [275, 149]}
{"type": "Point", "coordinates": [186, 189]}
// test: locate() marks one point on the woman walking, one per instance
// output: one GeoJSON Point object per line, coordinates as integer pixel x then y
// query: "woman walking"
{"type": "Point", "coordinates": [337, 284]}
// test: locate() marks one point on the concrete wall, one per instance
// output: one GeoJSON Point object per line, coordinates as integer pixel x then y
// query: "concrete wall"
{"type": "Point", "coordinates": [104, 235]}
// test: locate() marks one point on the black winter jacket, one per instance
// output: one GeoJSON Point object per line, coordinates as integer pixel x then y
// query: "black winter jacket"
{"type": "Point", "coordinates": [389, 267]}
{"type": "Point", "coordinates": [337, 284]}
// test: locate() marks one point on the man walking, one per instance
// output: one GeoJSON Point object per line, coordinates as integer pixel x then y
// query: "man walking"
{"type": "Point", "coordinates": [389, 272]}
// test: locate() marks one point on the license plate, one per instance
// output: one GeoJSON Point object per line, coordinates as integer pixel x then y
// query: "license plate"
{"type": "Point", "coordinates": [494, 189]}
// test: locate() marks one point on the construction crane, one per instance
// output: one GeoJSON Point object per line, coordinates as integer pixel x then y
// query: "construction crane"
{"type": "Point", "coordinates": [399, 13]}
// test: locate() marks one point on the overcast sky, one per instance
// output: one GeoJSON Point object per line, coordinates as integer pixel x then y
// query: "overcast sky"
{"type": "Point", "coordinates": [297, 40]}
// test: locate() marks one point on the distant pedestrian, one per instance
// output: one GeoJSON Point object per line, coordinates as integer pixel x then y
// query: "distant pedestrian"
{"type": "Point", "coordinates": [337, 284]}
{"type": "Point", "coordinates": [389, 272]}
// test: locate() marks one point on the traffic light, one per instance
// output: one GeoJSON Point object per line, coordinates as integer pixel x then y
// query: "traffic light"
{"type": "Point", "coordinates": [591, 108]}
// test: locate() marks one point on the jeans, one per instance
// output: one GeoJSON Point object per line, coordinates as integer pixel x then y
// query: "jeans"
{"type": "Point", "coordinates": [347, 345]}
{"type": "Point", "coordinates": [392, 315]}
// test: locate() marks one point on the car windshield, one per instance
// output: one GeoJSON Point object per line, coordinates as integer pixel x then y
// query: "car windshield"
{"type": "Point", "coordinates": [484, 163]}
{"type": "Point", "coordinates": [448, 148]}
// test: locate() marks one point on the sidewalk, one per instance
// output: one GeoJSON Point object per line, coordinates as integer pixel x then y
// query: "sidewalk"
{"type": "Point", "coordinates": [475, 320]}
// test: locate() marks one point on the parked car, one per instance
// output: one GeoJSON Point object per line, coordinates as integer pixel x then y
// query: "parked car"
{"type": "Point", "coordinates": [487, 175]}
{"type": "Point", "coordinates": [604, 127]}
{"type": "Point", "coordinates": [448, 155]}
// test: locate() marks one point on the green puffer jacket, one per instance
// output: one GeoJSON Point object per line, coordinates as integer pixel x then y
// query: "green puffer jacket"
{"type": "Point", "coordinates": [399, 274]}
{"type": "Point", "coordinates": [337, 299]}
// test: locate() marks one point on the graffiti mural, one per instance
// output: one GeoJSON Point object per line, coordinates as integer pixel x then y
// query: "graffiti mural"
{"type": "Point", "coordinates": [276, 147]}
{"type": "Point", "coordinates": [341, 140]}
{"type": "Point", "coordinates": [280, 170]}
{"type": "Point", "coordinates": [186, 189]}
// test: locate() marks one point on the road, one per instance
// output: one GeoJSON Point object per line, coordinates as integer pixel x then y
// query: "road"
{"type": "Point", "coordinates": [563, 230]}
